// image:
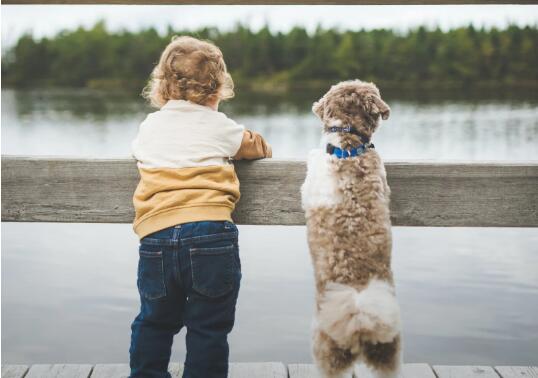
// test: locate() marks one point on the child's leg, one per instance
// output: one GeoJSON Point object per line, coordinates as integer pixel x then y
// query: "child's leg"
{"type": "Point", "coordinates": [162, 304]}
{"type": "Point", "coordinates": [213, 287]}
{"type": "Point", "coordinates": [208, 325]}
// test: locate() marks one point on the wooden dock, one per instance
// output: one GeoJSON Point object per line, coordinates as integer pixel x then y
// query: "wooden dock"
{"type": "Point", "coordinates": [268, 370]}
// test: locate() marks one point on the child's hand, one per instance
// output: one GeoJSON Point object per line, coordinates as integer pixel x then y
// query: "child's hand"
{"type": "Point", "coordinates": [253, 146]}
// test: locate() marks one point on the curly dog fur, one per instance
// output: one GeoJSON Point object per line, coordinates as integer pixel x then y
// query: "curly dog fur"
{"type": "Point", "coordinates": [346, 202]}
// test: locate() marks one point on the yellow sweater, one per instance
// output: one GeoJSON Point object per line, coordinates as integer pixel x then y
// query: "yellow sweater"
{"type": "Point", "coordinates": [183, 153]}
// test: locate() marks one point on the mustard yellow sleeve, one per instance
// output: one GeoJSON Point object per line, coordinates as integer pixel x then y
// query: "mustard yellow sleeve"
{"type": "Point", "coordinates": [253, 146]}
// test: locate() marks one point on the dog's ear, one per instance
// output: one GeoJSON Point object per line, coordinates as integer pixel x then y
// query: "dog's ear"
{"type": "Point", "coordinates": [319, 107]}
{"type": "Point", "coordinates": [370, 103]}
{"type": "Point", "coordinates": [373, 105]}
{"type": "Point", "coordinates": [379, 107]}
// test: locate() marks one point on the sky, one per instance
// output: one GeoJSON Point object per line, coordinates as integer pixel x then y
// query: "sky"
{"type": "Point", "coordinates": [47, 20]}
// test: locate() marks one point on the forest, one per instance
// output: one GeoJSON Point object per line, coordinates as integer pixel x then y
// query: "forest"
{"type": "Point", "coordinates": [264, 60]}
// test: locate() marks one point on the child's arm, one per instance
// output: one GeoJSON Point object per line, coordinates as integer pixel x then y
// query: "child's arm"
{"type": "Point", "coordinates": [253, 146]}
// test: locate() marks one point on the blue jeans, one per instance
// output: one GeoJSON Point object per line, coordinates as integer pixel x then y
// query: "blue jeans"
{"type": "Point", "coordinates": [188, 275]}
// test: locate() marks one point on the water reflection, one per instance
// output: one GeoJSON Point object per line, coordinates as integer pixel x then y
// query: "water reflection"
{"type": "Point", "coordinates": [461, 300]}
{"type": "Point", "coordinates": [90, 123]}
{"type": "Point", "coordinates": [467, 296]}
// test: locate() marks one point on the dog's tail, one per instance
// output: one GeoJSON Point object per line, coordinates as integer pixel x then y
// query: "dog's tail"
{"type": "Point", "coordinates": [373, 312]}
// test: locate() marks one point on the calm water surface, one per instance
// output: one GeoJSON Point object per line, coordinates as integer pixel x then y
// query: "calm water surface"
{"type": "Point", "coordinates": [468, 296]}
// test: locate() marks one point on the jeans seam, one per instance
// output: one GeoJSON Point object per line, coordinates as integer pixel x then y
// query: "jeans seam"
{"type": "Point", "coordinates": [176, 260]}
{"type": "Point", "coordinates": [192, 270]}
{"type": "Point", "coordinates": [157, 242]}
{"type": "Point", "coordinates": [209, 238]}
{"type": "Point", "coordinates": [161, 279]}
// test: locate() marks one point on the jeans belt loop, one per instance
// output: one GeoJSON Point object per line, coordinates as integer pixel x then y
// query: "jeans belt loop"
{"type": "Point", "coordinates": [176, 234]}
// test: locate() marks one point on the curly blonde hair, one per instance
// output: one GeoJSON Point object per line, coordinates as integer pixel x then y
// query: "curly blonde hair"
{"type": "Point", "coordinates": [189, 69]}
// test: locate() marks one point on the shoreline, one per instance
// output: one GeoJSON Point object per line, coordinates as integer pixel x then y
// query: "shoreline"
{"type": "Point", "coordinates": [307, 91]}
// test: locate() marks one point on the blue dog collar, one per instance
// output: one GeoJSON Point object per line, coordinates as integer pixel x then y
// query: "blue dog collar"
{"type": "Point", "coordinates": [340, 153]}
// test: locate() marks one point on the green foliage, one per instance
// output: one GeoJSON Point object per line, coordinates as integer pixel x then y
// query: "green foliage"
{"type": "Point", "coordinates": [462, 56]}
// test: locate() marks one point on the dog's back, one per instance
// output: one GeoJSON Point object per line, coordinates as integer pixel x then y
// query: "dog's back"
{"type": "Point", "coordinates": [346, 201]}
{"type": "Point", "coordinates": [347, 213]}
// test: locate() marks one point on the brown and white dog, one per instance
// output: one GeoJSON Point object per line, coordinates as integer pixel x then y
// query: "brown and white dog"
{"type": "Point", "coordinates": [346, 200]}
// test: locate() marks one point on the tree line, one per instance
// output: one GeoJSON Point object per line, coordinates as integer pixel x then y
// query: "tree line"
{"type": "Point", "coordinates": [464, 56]}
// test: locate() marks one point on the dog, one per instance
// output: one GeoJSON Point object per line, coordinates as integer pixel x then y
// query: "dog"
{"type": "Point", "coordinates": [346, 201]}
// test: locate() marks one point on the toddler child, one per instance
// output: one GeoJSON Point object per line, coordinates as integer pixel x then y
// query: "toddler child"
{"type": "Point", "coordinates": [189, 268]}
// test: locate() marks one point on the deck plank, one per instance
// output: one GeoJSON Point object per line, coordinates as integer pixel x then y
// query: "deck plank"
{"type": "Point", "coordinates": [264, 2]}
{"type": "Point", "coordinates": [122, 370]}
{"type": "Point", "coordinates": [14, 371]}
{"type": "Point", "coordinates": [237, 370]}
{"type": "Point", "coordinates": [306, 371]}
{"type": "Point", "coordinates": [408, 371]}
{"type": "Point", "coordinates": [258, 370]}
{"type": "Point", "coordinates": [445, 371]}
{"type": "Point", "coordinates": [268, 370]}
{"type": "Point", "coordinates": [110, 371]}
{"type": "Point", "coordinates": [417, 371]}
{"type": "Point", "coordinates": [517, 371]}
{"type": "Point", "coordinates": [59, 371]}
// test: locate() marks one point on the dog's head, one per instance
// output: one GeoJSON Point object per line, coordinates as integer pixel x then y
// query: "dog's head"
{"type": "Point", "coordinates": [354, 103]}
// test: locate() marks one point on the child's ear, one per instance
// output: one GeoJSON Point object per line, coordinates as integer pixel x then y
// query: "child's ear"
{"type": "Point", "coordinates": [319, 107]}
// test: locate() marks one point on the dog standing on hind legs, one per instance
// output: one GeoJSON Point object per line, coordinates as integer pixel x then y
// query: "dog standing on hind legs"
{"type": "Point", "coordinates": [346, 200]}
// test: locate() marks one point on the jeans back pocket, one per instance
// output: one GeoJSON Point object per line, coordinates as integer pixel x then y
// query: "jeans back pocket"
{"type": "Point", "coordinates": [213, 270]}
{"type": "Point", "coordinates": [151, 274]}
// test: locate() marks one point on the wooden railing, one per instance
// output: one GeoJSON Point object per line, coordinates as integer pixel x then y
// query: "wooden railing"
{"type": "Point", "coordinates": [54, 189]}
{"type": "Point", "coordinates": [265, 2]}
{"type": "Point", "coordinates": [273, 2]}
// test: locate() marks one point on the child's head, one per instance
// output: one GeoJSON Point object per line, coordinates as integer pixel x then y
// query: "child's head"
{"type": "Point", "coordinates": [192, 70]}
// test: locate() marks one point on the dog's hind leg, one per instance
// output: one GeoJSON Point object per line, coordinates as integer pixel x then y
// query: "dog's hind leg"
{"type": "Point", "coordinates": [385, 359]}
{"type": "Point", "coordinates": [332, 361]}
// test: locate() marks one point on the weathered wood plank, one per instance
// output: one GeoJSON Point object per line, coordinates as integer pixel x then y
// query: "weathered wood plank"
{"type": "Point", "coordinates": [306, 371]}
{"type": "Point", "coordinates": [423, 194]}
{"type": "Point", "coordinates": [465, 371]}
{"type": "Point", "coordinates": [273, 2]}
{"type": "Point", "coordinates": [408, 371]}
{"type": "Point", "coordinates": [59, 371]}
{"type": "Point", "coordinates": [14, 371]}
{"type": "Point", "coordinates": [237, 370]}
{"type": "Point", "coordinates": [258, 370]}
{"type": "Point", "coordinates": [517, 371]}
{"type": "Point", "coordinates": [268, 370]}
{"type": "Point", "coordinates": [123, 370]}
{"type": "Point", "coordinates": [110, 371]}
{"type": "Point", "coordinates": [417, 371]}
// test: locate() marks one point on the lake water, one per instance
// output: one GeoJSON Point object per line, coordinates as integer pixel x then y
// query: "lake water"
{"type": "Point", "coordinates": [468, 296]}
